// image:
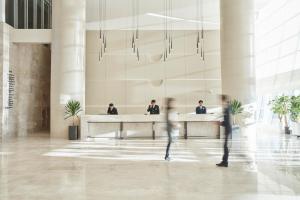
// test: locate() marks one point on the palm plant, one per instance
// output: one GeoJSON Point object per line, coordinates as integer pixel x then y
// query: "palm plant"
{"type": "Point", "coordinates": [72, 108]}
{"type": "Point", "coordinates": [236, 108]}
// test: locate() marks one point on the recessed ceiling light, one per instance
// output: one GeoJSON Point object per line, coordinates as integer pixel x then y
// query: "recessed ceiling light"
{"type": "Point", "coordinates": [164, 16]}
{"type": "Point", "coordinates": [179, 19]}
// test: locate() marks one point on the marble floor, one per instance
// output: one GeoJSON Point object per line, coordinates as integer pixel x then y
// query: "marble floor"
{"type": "Point", "coordinates": [263, 165]}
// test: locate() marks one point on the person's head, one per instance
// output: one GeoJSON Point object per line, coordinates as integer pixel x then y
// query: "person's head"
{"type": "Point", "coordinates": [170, 103]}
{"type": "Point", "coordinates": [225, 99]}
{"type": "Point", "coordinates": [111, 105]}
{"type": "Point", "coordinates": [153, 102]}
{"type": "Point", "coordinates": [200, 103]}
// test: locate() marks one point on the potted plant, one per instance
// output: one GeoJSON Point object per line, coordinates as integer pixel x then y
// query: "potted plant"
{"type": "Point", "coordinates": [281, 106]}
{"type": "Point", "coordinates": [236, 108]}
{"type": "Point", "coordinates": [72, 108]}
{"type": "Point", "coordinates": [295, 114]}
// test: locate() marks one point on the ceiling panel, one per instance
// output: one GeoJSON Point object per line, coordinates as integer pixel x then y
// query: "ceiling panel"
{"type": "Point", "coordinates": [151, 14]}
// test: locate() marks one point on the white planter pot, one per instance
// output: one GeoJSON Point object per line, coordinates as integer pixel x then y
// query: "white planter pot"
{"type": "Point", "coordinates": [235, 134]}
{"type": "Point", "coordinates": [295, 128]}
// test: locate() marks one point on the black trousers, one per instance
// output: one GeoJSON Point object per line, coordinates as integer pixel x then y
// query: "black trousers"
{"type": "Point", "coordinates": [169, 144]}
{"type": "Point", "coordinates": [226, 149]}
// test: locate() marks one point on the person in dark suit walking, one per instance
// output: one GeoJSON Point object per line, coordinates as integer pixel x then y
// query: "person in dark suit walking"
{"type": "Point", "coordinates": [112, 110]}
{"type": "Point", "coordinates": [153, 109]}
{"type": "Point", "coordinates": [226, 123]}
{"type": "Point", "coordinates": [201, 109]}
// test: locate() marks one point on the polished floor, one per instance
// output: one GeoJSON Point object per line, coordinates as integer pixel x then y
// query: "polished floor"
{"type": "Point", "coordinates": [263, 165]}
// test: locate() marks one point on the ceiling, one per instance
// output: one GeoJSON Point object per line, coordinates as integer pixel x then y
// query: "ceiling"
{"type": "Point", "coordinates": [261, 4]}
{"type": "Point", "coordinates": [151, 15]}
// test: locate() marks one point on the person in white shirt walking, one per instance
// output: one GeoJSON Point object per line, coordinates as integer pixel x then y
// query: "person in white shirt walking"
{"type": "Point", "coordinates": [172, 124]}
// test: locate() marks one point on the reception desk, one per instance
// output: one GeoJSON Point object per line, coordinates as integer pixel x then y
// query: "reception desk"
{"type": "Point", "coordinates": [148, 126]}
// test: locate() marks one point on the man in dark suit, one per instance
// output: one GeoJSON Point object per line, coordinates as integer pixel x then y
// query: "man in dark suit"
{"type": "Point", "coordinates": [201, 109]}
{"type": "Point", "coordinates": [226, 123]}
{"type": "Point", "coordinates": [112, 110]}
{"type": "Point", "coordinates": [153, 109]}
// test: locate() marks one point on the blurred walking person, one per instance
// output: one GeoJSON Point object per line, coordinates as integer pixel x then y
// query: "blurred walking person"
{"type": "Point", "coordinates": [172, 125]}
{"type": "Point", "coordinates": [226, 123]}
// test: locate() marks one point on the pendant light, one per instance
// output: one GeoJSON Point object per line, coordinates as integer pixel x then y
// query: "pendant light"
{"type": "Point", "coordinates": [135, 28]}
{"type": "Point", "coordinates": [168, 29]}
{"type": "Point", "coordinates": [102, 28]}
{"type": "Point", "coordinates": [200, 33]}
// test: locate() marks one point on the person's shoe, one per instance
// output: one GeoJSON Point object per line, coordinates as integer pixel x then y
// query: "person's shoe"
{"type": "Point", "coordinates": [167, 158]}
{"type": "Point", "coordinates": [222, 164]}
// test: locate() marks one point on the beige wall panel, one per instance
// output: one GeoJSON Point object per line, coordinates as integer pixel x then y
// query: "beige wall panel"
{"type": "Point", "coordinates": [131, 84]}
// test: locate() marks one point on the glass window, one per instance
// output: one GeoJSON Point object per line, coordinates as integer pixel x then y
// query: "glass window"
{"type": "Point", "coordinates": [30, 14]}
{"type": "Point", "coordinates": [47, 15]}
{"type": "Point", "coordinates": [9, 12]}
{"type": "Point", "coordinates": [21, 13]}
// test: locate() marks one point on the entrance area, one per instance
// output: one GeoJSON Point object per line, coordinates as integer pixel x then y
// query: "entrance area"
{"type": "Point", "coordinates": [28, 90]}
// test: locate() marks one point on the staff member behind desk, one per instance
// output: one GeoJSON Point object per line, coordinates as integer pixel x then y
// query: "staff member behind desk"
{"type": "Point", "coordinates": [112, 110]}
{"type": "Point", "coordinates": [201, 109]}
{"type": "Point", "coordinates": [153, 109]}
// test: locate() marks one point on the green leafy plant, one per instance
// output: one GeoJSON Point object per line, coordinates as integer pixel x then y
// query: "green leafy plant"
{"type": "Point", "coordinates": [236, 108]}
{"type": "Point", "coordinates": [295, 108]}
{"type": "Point", "coordinates": [281, 106]}
{"type": "Point", "coordinates": [72, 109]}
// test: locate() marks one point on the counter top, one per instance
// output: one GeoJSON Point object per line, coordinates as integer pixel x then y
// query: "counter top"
{"type": "Point", "coordinates": [135, 125]}
{"type": "Point", "coordinates": [148, 118]}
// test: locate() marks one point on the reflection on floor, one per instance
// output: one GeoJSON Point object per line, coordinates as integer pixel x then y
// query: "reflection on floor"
{"type": "Point", "coordinates": [263, 165]}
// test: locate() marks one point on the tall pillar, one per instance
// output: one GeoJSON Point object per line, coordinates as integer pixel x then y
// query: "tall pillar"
{"type": "Point", "coordinates": [4, 71]}
{"type": "Point", "coordinates": [68, 60]}
{"type": "Point", "coordinates": [237, 49]}
{"type": "Point", "coordinates": [2, 10]}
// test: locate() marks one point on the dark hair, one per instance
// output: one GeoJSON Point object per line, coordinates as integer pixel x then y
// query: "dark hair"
{"type": "Point", "coordinates": [224, 97]}
{"type": "Point", "coordinates": [153, 101]}
{"type": "Point", "coordinates": [169, 102]}
{"type": "Point", "coordinates": [201, 101]}
{"type": "Point", "coordinates": [111, 104]}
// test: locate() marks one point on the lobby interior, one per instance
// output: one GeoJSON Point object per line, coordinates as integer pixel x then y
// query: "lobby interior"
{"type": "Point", "coordinates": [55, 53]}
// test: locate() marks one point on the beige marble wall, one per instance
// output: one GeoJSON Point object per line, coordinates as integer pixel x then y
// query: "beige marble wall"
{"type": "Point", "coordinates": [4, 69]}
{"type": "Point", "coordinates": [131, 84]}
{"type": "Point", "coordinates": [30, 64]}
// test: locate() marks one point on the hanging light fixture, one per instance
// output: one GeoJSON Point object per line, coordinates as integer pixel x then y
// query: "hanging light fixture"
{"type": "Point", "coordinates": [200, 33]}
{"type": "Point", "coordinates": [137, 34]}
{"type": "Point", "coordinates": [135, 28]}
{"type": "Point", "coordinates": [168, 28]}
{"type": "Point", "coordinates": [202, 30]}
{"type": "Point", "coordinates": [102, 26]}
{"type": "Point", "coordinates": [172, 28]}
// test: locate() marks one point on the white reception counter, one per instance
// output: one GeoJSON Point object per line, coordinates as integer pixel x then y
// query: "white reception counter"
{"type": "Point", "coordinates": [147, 126]}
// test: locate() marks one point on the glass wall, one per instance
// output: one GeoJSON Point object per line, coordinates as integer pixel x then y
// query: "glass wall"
{"type": "Point", "coordinates": [29, 14]}
{"type": "Point", "coordinates": [277, 52]}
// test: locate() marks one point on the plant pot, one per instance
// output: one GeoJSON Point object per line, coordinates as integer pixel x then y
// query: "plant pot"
{"type": "Point", "coordinates": [287, 130]}
{"type": "Point", "coordinates": [295, 128]}
{"type": "Point", "coordinates": [73, 132]}
{"type": "Point", "coordinates": [236, 132]}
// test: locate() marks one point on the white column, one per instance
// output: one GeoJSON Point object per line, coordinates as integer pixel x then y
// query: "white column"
{"type": "Point", "coordinates": [2, 10]}
{"type": "Point", "coordinates": [68, 60]}
{"type": "Point", "coordinates": [237, 49]}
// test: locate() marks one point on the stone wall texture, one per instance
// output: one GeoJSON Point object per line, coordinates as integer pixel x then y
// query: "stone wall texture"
{"type": "Point", "coordinates": [31, 66]}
